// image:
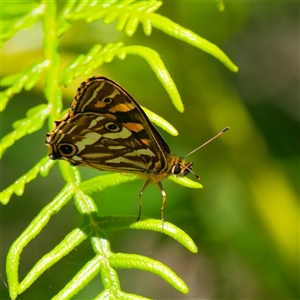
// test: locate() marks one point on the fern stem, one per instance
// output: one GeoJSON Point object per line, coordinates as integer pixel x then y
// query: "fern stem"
{"type": "Point", "coordinates": [51, 46]}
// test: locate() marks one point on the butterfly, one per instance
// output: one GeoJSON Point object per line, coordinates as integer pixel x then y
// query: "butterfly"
{"type": "Point", "coordinates": [106, 129]}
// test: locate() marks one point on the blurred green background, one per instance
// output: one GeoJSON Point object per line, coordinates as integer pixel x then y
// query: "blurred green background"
{"type": "Point", "coordinates": [245, 220]}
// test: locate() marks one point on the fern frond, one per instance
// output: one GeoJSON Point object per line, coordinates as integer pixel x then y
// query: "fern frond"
{"type": "Point", "coordinates": [42, 168]}
{"type": "Point", "coordinates": [34, 228]}
{"type": "Point", "coordinates": [15, 18]}
{"type": "Point", "coordinates": [129, 261]}
{"type": "Point", "coordinates": [105, 261]}
{"type": "Point", "coordinates": [68, 244]}
{"type": "Point", "coordinates": [130, 14]}
{"type": "Point", "coordinates": [26, 79]}
{"type": "Point", "coordinates": [34, 120]}
{"type": "Point", "coordinates": [160, 122]}
{"type": "Point", "coordinates": [185, 181]}
{"type": "Point", "coordinates": [84, 64]}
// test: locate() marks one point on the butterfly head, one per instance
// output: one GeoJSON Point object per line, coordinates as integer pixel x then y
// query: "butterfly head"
{"type": "Point", "coordinates": [64, 151]}
{"type": "Point", "coordinates": [180, 167]}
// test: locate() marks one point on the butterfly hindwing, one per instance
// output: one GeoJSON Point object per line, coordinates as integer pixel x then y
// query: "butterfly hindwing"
{"type": "Point", "coordinates": [108, 130]}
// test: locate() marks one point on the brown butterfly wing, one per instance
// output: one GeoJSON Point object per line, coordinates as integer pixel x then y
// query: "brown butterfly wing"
{"type": "Point", "coordinates": [109, 131]}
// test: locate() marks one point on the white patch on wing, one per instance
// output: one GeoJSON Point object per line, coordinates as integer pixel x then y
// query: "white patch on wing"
{"type": "Point", "coordinates": [95, 121]}
{"type": "Point", "coordinates": [89, 139]}
{"type": "Point", "coordinates": [122, 159]}
{"type": "Point", "coordinates": [125, 133]}
{"type": "Point", "coordinates": [71, 130]}
{"type": "Point", "coordinates": [95, 155]}
{"type": "Point", "coordinates": [94, 95]}
{"type": "Point", "coordinates": [116, 147]}
{"type": "Point", "coordinates": [140, 152]}
{"type": "Point", "coordinates": [77, 157]}
{"type": "Point", "coordinates": [60, 138]}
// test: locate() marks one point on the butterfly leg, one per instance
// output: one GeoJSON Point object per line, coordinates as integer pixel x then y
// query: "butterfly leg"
{"type": "Point", "coordinates": [163, 202]}
{"type": "Point", "coordinates": [140, 198]}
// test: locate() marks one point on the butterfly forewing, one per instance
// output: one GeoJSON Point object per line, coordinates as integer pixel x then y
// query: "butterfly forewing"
{"type": "Point", "coordinates": [109, 131]}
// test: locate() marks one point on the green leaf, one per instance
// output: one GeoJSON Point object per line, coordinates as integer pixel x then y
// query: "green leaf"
{"type": "Point", "coordinates": [35, 227]}
{"type": "Point", "coordinates": [122, 222]}
{"type": "Point", "coordinates": [159, 121]}
{"type": "Point", "coordinates": [157, 65]}
{"type": "Point", "coordinates": [42, 168]}
{"type": "Point", "coordinates": [17, 17]}
{"type": "Point", "coordinates": [143, 11]}
{"type": "Point", "coordinates": [68, 244]}
{"type": "Point", "coordinates": [91, 269]}
{"type": "Point", "coordinates": [33, 122]}
{"type": "Point", "coordinates": [185, 181]}
{"type": "Point", "coordinates": [26, 79]}
{"type": "Point", "coordinates": [179, 32]}
{"type": "Point", "coordinates": [129, 261]}
{"type": "Point", "coordinates": [83, 65]}
{"type": "Point", "coordinates": [102, 182]}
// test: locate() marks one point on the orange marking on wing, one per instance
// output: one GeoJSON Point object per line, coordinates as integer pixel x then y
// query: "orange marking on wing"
{"type": "Point", "coordinates": [146, 142]}
{"type": "Point", "coordinates": [100, 104]}
{"type": "Point", "coordinates": [122, 107]}
{"type": "Point", "coordinates": [135, 127]}
{"type": "Point", "coordinates": [110, 116]}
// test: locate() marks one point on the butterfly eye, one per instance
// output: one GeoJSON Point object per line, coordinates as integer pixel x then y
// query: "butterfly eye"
{"type": "Point", "coordinates": [176, 169]}
{"type": "Point", "coordinates": [107, 100]}
{"type": "Point", "coordinates": [67, 149]}
{"type": "Point", "coordinates": [112, 127]}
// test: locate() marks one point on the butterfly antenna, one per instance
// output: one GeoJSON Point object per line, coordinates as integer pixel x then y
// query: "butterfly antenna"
{"type": "Point", "coordinates": [210, 140]}
{"type": "Point", "coordinates": [191, 171]}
